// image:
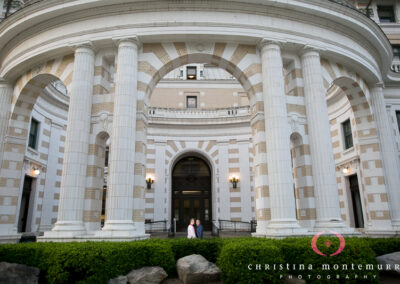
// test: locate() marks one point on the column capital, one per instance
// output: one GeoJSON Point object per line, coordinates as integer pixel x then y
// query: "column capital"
{"type": "Point", "coordinates": [127, 41]}
{"type": "Point", "coordinates": [5, 83]}
{"type": "Point", "coordinates": [82, 46]}
{"type": "Point", "coordinates": [309, 50]}
{"type": "Point", "coordinates": [379, 85]}
{"type": "Point", "coordinates": [270, 43]}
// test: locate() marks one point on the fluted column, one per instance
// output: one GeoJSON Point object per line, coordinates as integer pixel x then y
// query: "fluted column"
{"type": "Point", "coordinates": [119, 206]}
{"type": "Point", "coordinates": [5, 106]}
{"type": "Point", "coordinates": [390, 155]}
{"type": "Point", "coordinates": [73, 180]}
{"type": "Point", "coordinates": [282, 198]}
{"type": "Point", "coordinates": [323, 165]}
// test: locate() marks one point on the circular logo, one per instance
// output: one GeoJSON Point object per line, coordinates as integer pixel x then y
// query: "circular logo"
{"type": "Point", "coordinates": [328, 243]}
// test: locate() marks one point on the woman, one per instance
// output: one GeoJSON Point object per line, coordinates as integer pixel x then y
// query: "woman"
{"type": "Point", "coordinates": [191, 230]}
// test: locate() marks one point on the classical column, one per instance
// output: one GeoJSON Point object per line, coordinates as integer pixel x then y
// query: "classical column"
{"type": "Point", "coordinates": [73, 180]}
{"type": "Point", "coordinates": [5, 106]}
{"type": "Point", "coordinates": [389, 152]}
{"type": "Point", "coordinates": [323, 165]}
{"type": "Point", "coordinates": [282, 198]}
{"type": "Point", "coordinates": [119, 205]}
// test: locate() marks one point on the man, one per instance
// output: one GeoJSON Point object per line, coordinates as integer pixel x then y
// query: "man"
{"type": "Point", "coordinates": [199, 229]}
{"type": "Point", "coordinates": [191, 230]}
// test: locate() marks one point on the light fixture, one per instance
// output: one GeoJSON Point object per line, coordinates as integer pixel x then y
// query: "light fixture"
{"type": "Point", "coordinates": [346, 170]}
{"type": "Point", "coordinates": [234, 180]}
{"type": "Point", "coordinates": [149, 182]}
{"type": "Point", "coordinates": [35, 172]}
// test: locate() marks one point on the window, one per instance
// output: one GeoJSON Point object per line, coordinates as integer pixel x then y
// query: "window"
{"type": "Point", "coordinates": [191, 73]}
{"type": "Point", "coordinates": [398, 119]}
{"type": "Point", "coordinates": [191, 102]}
{"type": "Point", "coordinates": [386, 14]}
{"type": "Point", "coordinates": [106, 156]}
{"type": "Point", "coordinates": [33, 134]}
{"type": "Point", "coordinates": [348, 137]}
{"type": "Point", "coordinates": [396, 52]}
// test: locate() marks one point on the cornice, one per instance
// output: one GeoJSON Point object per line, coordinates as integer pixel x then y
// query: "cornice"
{"type": "Point", "coordinates": [335, 17]}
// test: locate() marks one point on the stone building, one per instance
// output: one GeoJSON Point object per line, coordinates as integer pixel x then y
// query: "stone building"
{"type": "Point", "coordinates": [283, 113]}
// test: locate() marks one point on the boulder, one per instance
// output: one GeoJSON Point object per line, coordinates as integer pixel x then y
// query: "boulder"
{"type": "Point", "coordinates": [118, 280]}
{"type": "Point", "coordinates": [147, 275]}
{"type": "Point", "coordinates": [393, 259]}
{"type": "Point", "coordinates": [193, 269]}
{"type": "Point", "coordinates": [293, 279]}
{"type": "Point", "coordinates": [18, 273]}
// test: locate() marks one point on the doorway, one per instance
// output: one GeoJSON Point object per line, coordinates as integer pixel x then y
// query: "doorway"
{"type": "Point", "coordinates": [356, 202]}
{"type": "Point", "coordinates": [191, 192]}
{"type": "Point", "coordinates": [25, 204]}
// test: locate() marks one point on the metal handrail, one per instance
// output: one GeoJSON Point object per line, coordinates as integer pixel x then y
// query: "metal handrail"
{"type": "Point", "coordinates": [237, 226]}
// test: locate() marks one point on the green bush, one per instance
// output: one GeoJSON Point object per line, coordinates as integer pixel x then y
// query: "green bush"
{"type": "Point", "coordinates": [209, 248]}
{"type": "Point", "coordinates": [89, 262]}
{"type": "Point", "coordinates": [383, 246]}
{"type": "Point", "coordinates": [357, 251]}
{"type": "Point", "coordinates": [237, 255]}
{"type": "Point", "coordinates": [97, 262]}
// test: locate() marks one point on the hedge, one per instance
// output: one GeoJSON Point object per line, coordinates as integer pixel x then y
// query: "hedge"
{"type": "Point", "coordinates": [383, 246]}
{"type": "Point", "coordinates": [357, 251]}
{"type": "Point", "coordinates": [97, 262]}
{"type": "Point", "coordinates": [89, 262]}
{"type": "Point", "coordinates": [238, 261]}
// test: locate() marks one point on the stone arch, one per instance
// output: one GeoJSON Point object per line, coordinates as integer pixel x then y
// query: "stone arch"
{"type": "Point", "coordinates": [157, 59]}
{"type": "Point", "coordinates": [208, 152]}
{"type": "Point", "coordinates": [95, 180]}
{"type": "Point", "coordinates": [26, 91]}
{"type": "Point", "coordinates": [207, 157]}
{"type": "Point", "coordinates": [369, 167]}
{"type": "Point", "coordinates": [304, 189]}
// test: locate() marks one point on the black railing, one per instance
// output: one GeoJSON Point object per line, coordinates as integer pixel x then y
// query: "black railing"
{"type": "Point", "coordinates": [237, 226]}
{"type": "Point", "coordinates": [156, 226]}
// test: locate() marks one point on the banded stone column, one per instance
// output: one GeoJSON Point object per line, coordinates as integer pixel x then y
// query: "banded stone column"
{"type": "Point", "coordinates": [282, 198]}
{"type": "Point", "coordinates": [119, 205]}
{"type": "Point", "coordinates": [73, 180]}
{"type": "Point", "coordinates": [6, 91]}
{"type": "Point", "coordinates": [390, 155]}
{"type": "Point", "coordinates": [323, 164]}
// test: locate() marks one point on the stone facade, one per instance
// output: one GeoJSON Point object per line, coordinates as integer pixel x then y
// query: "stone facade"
{"type": "Point", "coordinates": [272, 96]}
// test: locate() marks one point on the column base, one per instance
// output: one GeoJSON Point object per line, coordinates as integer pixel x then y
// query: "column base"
{"type": "Point", "coordinates": [96, 237]}
{"type": "Point", "coordinates": [396, 225]}
{"type": "Point", "coordinates": [337, 226]}
{"type": "Point", "coordinates": [66, 229]}
{"type": "Point", "coordinates": [119, 226]}
{"type": "Point", "coordinates": [380, 233]}
{"type": "Point", "coordinates": [10, 239]}
{"type": "Point", "coordinates": [285, 228]}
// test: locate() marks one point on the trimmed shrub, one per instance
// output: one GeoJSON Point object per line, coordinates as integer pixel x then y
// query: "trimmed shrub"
{"type": "Point", "coordinates": [209, 248]}
{"type": "Point", "coordinates": [383, 246]}
{"type": "Point", "coordinates": [236, 256]}
{"type": "Point", "coordinates": [97, 262]}
{"type": "Point", "coordinates": [328, 268]}
{"type": "Point", "coordinates": [89, 262]}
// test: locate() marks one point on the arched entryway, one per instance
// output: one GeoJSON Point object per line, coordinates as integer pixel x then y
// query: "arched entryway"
{"type": "Point", "coordinates": [191, 192]}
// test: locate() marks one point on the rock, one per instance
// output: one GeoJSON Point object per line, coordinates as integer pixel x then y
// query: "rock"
{"type": "Point", "coordinates": [147, 275]}
{"type": "Point", "coordinates": [293, 279]}
{"type": "Point", "coordinates": [18, 273]}
{"type": "Point", "coordinates": [193, 269]}
{"type": "Point", "coordinates": [393, 259]}
{"type": "Point", "coordinates": [118, 280]}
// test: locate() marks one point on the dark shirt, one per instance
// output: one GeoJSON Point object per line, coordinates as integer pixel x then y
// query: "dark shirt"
{"type": "Point", "coordinates": [199, 231]}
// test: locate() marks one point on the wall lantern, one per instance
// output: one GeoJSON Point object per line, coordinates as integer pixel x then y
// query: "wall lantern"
{"type": "Point", "coordinates": [35, 172]}
{"type": "Point", "coordinates": [346, 170]}
{"type": "Point", "coordinates": [149, 182]}
{"type": "Point", "coordinates": [234, 181]}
